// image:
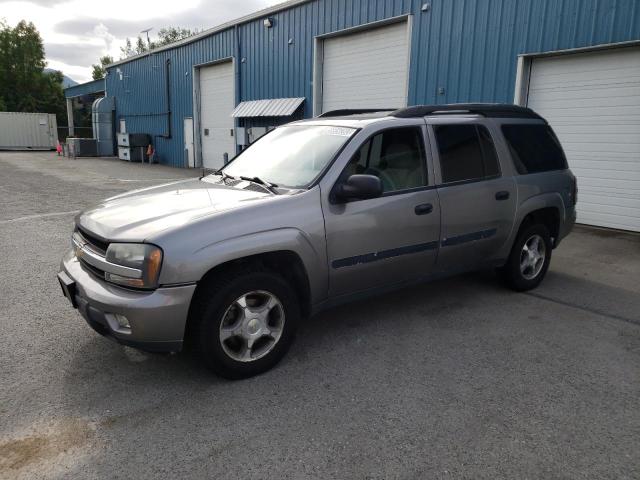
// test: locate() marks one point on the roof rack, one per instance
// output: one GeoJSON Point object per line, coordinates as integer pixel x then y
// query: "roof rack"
{"type": "Point", "coordinates": [355, 111]}
{"type": "Point", "coordinates": [490, 110]}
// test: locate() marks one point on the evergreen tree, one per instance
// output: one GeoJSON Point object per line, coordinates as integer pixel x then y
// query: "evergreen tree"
{"type": "Point", "coordinates": [24, 85]}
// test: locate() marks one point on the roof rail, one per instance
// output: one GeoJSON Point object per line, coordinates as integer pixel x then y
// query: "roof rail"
{"type": "Point", "coordinates": [355, 111]}
{"type": "Point", "coordinates": [490, 110]}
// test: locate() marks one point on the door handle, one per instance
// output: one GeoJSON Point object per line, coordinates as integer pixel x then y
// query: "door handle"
{"type": "Point", "coordinates": [504, 195]}
{"type": "Point", "coordinates": [424, 209]}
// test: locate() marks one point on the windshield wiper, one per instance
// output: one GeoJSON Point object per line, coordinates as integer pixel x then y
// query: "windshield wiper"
{"type": "Point", "coordinates": [225, 176]}
{"type": "Point", "coordinates": [272, 187]}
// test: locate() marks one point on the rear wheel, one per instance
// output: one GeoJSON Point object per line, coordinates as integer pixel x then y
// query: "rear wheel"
{"type": "Point", "coordinates": [529, 260]}
{"type": "Point", "coordinates": [245, 323]}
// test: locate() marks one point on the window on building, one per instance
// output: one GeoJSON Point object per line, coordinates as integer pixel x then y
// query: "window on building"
{"type": "Point", "coordinates": [534, 148]}
{"type": "Point", "coordinates": [466, 152]}
{"type": "Point", "coordinates": [396, 156]}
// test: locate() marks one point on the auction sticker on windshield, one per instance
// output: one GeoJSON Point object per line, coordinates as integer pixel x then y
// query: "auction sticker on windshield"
{"type": "Point", "coordinates": [340, 131]}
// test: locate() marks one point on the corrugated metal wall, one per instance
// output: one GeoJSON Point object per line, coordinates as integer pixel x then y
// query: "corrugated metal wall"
{"type": "Point", "coordinates": [465, 48]}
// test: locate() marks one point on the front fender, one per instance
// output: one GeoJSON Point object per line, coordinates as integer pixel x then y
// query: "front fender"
{"type": "Point", "coordinates": [204, 259]}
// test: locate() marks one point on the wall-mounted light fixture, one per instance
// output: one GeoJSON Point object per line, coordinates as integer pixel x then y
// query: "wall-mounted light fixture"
{"type": "Point", "coordinates": [268, 22]}
{"type": "Point", "coordinates": [426, 7]}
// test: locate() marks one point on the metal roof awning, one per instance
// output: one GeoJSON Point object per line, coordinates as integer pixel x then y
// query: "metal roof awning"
{"type": "Point", "coordinates": [94, 86]}
{"type": "Point", "coordinates": [276, 107]}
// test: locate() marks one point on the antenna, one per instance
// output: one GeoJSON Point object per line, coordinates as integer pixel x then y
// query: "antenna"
{"type": "Point", "coordinates": [147, 32]}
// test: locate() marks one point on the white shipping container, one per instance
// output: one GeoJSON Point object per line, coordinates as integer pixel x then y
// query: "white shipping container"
{"type": "Point", "coordinates": [28, 131]}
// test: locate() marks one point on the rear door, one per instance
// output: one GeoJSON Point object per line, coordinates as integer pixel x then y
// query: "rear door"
{"type": "Point", "coordinates": [478, 202]}
{"type": "Point", "coordinates": [390, 239]}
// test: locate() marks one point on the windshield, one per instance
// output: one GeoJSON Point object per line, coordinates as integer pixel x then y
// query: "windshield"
{"type": "Point", "coordinates": [291, 156]}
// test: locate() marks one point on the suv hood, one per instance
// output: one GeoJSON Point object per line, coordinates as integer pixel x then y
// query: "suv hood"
{"type": "Point", "coordinates": [136, 215]}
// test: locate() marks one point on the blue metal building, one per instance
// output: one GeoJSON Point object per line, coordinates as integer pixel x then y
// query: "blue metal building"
{"type": "Point", "coordinates": [305, 51]}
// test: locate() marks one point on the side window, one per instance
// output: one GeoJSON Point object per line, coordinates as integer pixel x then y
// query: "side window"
{"type": "Point", "coordinates": [466, 152]}
{"type": "Point", "coordinates": [489, 155]}
{"type": "Point", "coordinates": [534, 148]}
{"type": "Point", "coordinates": [395, 156]}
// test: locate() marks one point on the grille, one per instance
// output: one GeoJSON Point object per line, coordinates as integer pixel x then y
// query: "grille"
{"type": "Point", "coordinates": [96, 244]}
{"type": "Point", "coordinates": [91, 269]}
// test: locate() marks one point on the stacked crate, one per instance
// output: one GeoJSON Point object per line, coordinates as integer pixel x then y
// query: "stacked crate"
{"type": "Point", "coordinates": [133, 146]}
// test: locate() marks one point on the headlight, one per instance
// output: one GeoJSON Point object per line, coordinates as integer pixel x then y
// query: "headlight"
{"type": "Point", "coordinates": [142, 262]}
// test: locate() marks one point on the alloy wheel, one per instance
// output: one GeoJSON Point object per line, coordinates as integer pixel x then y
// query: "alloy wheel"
{"type": "Point", "coordinates": [252, 326]}
{"type": "Point", "coordinates": [532, 257]}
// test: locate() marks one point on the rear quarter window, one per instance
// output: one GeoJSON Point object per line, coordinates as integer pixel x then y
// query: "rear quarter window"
{"type": "Point", "coordinates": [467, 152]}
{"type": "Point", "coordinates": [534, 148]}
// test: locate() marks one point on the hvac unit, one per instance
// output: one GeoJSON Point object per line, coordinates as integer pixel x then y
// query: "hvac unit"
{"type": "Point", "coordinates": [82, 147]}
{"type": "Point", "coordinates": [132, 154]}
{"type": "Point", "coordinates": [134, 140]}
{"type": "Point", "coordinates": [132, 147]}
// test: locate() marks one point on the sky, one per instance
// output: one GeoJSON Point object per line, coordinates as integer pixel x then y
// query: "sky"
{"type": "Point", "coordinates": [76, 33]}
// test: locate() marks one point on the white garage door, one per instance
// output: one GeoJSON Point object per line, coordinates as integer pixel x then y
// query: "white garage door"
{"type": "Point", "coordinates": [367, 69]}
{"type": "Point", "coordinates": [592, 101]}
{"type": "Point", "coordinates": [217, 101]}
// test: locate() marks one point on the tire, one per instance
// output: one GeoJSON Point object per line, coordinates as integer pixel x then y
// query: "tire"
{"type": "Point", "coordinates": [219, 312]}
{"type": "Point", "coordinates": [522, 279]}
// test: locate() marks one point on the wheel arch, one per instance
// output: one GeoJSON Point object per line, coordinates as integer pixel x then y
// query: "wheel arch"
{"type": "Point", "coordinates": [546, 209]}
{"type": "Point", "coordinates": [286, 263]}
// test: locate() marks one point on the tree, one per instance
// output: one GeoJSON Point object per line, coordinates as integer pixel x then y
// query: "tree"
{"type": "Point", "coordinates": [166, 36]}
{"type": "Point", "coordinates": [169, 35]}
{"type": "Point", "coordinates": [24, 85]}
{"type": "Point", "coordinates": [52, 99]}
{"type": "Point", "coordinates": [127, 50]}
{"type": "Point", "coordinates": [100, 69]}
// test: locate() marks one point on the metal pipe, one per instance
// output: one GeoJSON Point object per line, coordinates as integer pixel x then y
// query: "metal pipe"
{"type": "Point", "coordinates": [70, 116]}
{"type": "Point", "coordinates": [168, 96]}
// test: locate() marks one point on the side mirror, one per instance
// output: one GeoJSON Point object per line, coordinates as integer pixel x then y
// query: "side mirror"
{"type": "Point", "coordinates": [359, 187]}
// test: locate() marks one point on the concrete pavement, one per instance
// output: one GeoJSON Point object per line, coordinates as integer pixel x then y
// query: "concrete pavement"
{"type": "Point", "coordinates": [459, 378]}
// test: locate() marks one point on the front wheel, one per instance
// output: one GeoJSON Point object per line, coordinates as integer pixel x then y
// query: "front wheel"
{"type": "Point", "coordinates": [529, 259]}
{"type": "Point", "coordinates": [246, 323]}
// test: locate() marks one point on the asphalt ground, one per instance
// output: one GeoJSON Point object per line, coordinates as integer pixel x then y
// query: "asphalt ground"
{"type": "Point", "coordinates": [459, 378]}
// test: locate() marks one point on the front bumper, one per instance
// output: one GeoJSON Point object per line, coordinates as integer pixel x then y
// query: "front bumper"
{"type": "Point", "coordinates": [157, 318]}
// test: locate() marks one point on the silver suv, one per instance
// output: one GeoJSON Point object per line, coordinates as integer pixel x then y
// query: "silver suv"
{"type": "Point", "coordinates": [317, 213]}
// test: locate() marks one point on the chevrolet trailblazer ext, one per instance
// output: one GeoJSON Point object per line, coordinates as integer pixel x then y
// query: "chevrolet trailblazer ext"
{"type": "Point", "coordinates": [315, 213]}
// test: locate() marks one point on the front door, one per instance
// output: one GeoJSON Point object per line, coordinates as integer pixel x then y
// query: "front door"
{"type": "Point", "coordinates": [478, 203]}
{"type": "Point", "coordinates": [391, 239]}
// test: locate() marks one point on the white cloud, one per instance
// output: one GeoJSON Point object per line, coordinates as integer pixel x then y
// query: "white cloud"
{"type": "Point", "coordinates": [78, 32]}
{"type": "Point", "coordinates": [101, 31]}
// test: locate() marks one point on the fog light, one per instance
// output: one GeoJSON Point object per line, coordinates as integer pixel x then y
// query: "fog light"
{"type": "Point", "coordinates": [123, 322]}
